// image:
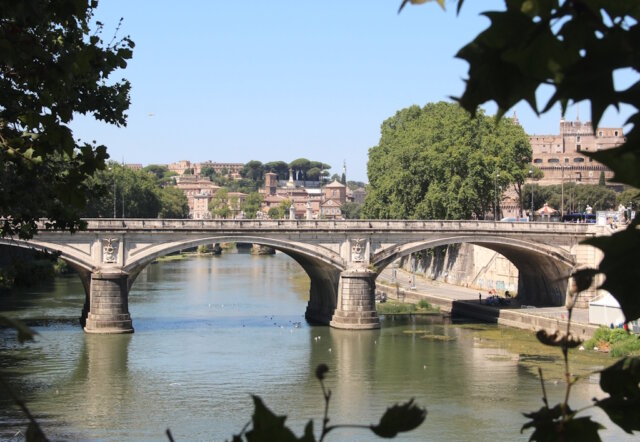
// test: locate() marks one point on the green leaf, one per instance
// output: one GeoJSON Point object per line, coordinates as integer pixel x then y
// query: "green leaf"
{"type": "Point", "coordinates": [581, 429]}
{"type": "Point", "coordinates": [557, 339]}
{"type": "Point", "coordinates": [268, 427]}
{"type": "Point", "coordinates": [623, 412]}
{"type": "Point", "coordinates": [622, 378]}
{"type": "Point", "coordinates": [399, 418]}
{"type": "Point", "coordinates": [544, 415]}
{"type": "Point", "coordinates": [621, 267]}
{"type": "Point", "coordinates": [24, 332]}
{"type": "Point", "coordinates": [321, 370]}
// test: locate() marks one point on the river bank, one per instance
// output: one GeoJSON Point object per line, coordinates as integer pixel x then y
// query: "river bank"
{"type": "Point", "coordinates": [463, 302]}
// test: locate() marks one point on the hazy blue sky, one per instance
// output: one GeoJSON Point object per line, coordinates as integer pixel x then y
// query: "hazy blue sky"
{"type": "Point", "coordinates": [278, 80]}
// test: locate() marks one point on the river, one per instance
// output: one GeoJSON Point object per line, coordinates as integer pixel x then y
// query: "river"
{"type": "Point", "coordinates": [211, 331]}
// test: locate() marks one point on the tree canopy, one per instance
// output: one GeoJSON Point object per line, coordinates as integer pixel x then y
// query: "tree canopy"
{"type": "Point", "coordinates": [140, 193]}
{"type": "Point", "coordinates": [437, 162]}
{"type": "Point", "coordinates": [53, 65]}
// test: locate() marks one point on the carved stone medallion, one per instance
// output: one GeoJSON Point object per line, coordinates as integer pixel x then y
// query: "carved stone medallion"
{"type": "Point", "coordinates": [357, 250]}
{"type": "Point", "coordinates": [110, 250]}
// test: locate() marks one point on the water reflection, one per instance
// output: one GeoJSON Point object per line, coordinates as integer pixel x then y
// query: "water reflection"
{"type": "Point", "coordinates": [209, 332]}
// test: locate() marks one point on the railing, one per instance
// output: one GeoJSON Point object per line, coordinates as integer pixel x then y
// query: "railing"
{"type": "Point", "coordinates": [119, 224]}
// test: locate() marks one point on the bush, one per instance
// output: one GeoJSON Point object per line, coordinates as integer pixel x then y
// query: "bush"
{"type": "Point", "coordinates": [395, 308]}
{"type": "Point", "coordinates": [424, 304]}
{"type": "Point", "coordinates": [617, 341]}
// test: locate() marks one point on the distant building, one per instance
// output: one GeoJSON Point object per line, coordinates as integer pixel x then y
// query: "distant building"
{"type": "Point", "coordinates": [196, 188]}
{"type": "Point", "coordinates": [230, 168]}
{"type": "Point", "coordinates": [179, 167]}
{"type": "Point", "coordinates": [308, 203]}
{"type": "Point", "coordinates": [561, 157]}
{"type": "Point", "coordinates": [133, 166]}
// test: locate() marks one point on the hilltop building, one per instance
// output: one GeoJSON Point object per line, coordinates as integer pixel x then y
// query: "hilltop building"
{"type": "Point", "coordinates": [562, 160]}
{"type": "Point", "coordinates": [307, 202]}
{"type": "Point", "coordinates": [231, 169]}
{"type": "Point", "coordinates": [561, 156]}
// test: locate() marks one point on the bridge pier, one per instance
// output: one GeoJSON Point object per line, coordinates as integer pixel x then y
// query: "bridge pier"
{"type": "Point", "coordinates": [109, 304]}
{"type": "Point", "coordinates": [356, 309]}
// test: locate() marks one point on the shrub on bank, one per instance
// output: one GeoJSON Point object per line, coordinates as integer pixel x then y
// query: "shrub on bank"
{"type": "Point", "coordinates": [618, 342]}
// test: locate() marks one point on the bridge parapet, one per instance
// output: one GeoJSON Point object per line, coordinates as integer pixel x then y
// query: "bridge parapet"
{"type": "Point", "coordinates": [128, 224]}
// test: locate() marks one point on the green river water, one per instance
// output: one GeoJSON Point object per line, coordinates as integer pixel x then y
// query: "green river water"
{"type": "Point", "coordinates": [211, 331]}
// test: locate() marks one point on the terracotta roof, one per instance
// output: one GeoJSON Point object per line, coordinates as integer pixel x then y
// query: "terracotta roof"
{"type": "Point", "coordinates": [335, 183]}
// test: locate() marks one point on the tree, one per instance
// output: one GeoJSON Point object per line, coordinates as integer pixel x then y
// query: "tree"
{"type": "Point", "coordinates": [283, 208]}
{"type": "Point", "coordinates": [53, 66]}
{"type": "Point", "coordinates": [437, 162]}
{"type": "Point", "coordinates": [209, 172]}
{"type": "Point", "coordinates": [314, 174]}
{"type": "Point", "coordinates": [158, 170]}
{"type": "Point", "coordinates": [353, 185]}
{"type": "Point", "coordinates": [253, 170]}
{"type": "Point", "coordinates": [351, 210]}
{"type": "Point", "coordinates": [141, 191]}
{"type": "Point", "coordinates": [219, 204]}
{"type": "Point", "coordinates": [629, 197]}
{"type": "Point", "coordinates": [274, 213]}
{"type": "Point", "coordinates": [602, 181]}
{"type": "Point", "coordinates": [301, 165]}
{"type": "Point", "coordinates": [251, 204]}
{"type": "Point", "coordinates": [280, 168]}
{"type": "Point", "coordinates": [173, 203]}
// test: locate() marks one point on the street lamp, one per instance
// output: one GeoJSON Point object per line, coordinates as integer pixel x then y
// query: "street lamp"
{"type": "Point", "coordinates": [114, 192]}
{"type": "Point", "coordinates": [531, 178]}
{"type": "Point", "coordinates": [495, 196]}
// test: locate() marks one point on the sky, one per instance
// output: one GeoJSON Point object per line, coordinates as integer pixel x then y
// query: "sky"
{"type": "Point", "coordinates": [236, 81]}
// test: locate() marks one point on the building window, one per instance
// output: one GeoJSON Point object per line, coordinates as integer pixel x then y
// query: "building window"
{"type": "Point", "coordinates": [578, 139]}
{"type": "Point", "coordinates": [615, 133]}
{"type": "Point", "coordinates": [600, 133]}
{"type": "Point", "coordinates": [554, 160]}
{"type": "Point", "coordinates": [537, 161]}
{"type": "Point", "coordinates": [578, 148]}
{"type": "Point", "coordinates": [335, 193]}
{"type": "Point", "coordinates": [578, 160]}
{"type": "Point", "coordinates": [566, 160]}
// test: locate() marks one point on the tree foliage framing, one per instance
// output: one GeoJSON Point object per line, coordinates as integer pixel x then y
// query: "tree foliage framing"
{"type": "Point", "coordinates": [52, 66]}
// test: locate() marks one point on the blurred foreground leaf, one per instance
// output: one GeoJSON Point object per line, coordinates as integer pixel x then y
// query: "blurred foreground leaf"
{"type": "Point", "coordinates": [399, 418]}
{"type": "Point", "coordinates": [24, 332]}
{"type": "Point", "coordinates": [267, 426]}
{"type": "Point", "coordinates": [621, 267]}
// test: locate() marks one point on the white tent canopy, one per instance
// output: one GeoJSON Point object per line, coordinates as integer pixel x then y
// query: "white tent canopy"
{"type": "Point", "coordinates": [605, 311]}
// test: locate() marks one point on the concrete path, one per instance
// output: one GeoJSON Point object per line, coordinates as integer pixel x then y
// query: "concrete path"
{"type": "Point", "coordinates": [448, 295]}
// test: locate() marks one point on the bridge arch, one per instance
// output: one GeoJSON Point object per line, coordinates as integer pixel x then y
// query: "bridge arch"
{"type": "Point", "coordinates": [72, 256]}
{"type": "Point", "coordinates": [543, 269]}
{"type": "Point", "coordinates": [323, 266]}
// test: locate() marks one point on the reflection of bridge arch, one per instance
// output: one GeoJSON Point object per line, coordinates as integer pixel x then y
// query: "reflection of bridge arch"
{"type": "Point", "coordinates": [543, 269]}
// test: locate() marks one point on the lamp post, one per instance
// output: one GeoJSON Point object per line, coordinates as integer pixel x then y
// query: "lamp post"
{"type": "Point", "coordinates": [531, 178]}
{"type": "Point", "coordinates": [413, 273]}
{"type": "Point", "coordinates": [114, 191]}
{"type": "Point", "coordinates": [495, 196]}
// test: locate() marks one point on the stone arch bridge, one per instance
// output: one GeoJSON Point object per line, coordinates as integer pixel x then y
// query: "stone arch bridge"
{"type": "Point", "coordinates": [342, 258]}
